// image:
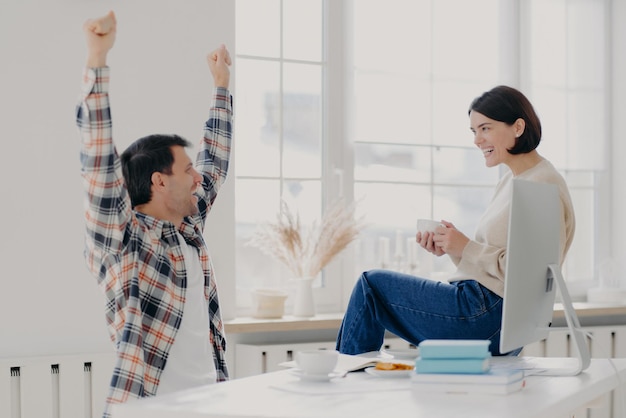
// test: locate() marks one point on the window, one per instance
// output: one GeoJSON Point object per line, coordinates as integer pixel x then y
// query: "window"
{"type": "Point", "coordinates": [414, 153]}
{"type": "Point", "coordinates": [351, 98]}
{"type": "Point", "coordinates": [279, 153]}
{"type": "Point", "coordinates": [414, 156]}
{"type": "Point", "coordinates": [566, 77]}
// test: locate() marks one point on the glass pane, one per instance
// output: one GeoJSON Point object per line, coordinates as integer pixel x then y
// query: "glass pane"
{"type": "Point", "coordinates": [257, 118]}
{"type": "Point", "coordinates": [462, 166]}
{"type": "Point", "coordinates": [587, 119]}
{"type": "Point", "coordinates": [392, 90]}
{"type": "Point", "coordinates": [548, 35]}
{"type": "Point", "coordinates": [257, 201]}
{"type": "Point", "coordinates": [569, 84]}
{"type": "Point", "coordinates": [551, 106]}
{"type": "Point", "coordinates": [451, 101]}
{"type": "Point", "coordinates": [580, 261]}
{"type": "Point", "coordinates": [367, 251]}
{"type": "Point", "coordinates": [390, 108]}
{"type": "Point", "coordinates": [585, 44]}
{"type": "Point", "coordinates": [581, 179]}
{"type": "Point", "coordinates": [390, 212]}
{"type": "Point", "coordinates": [450, 51]}
{"type": "Point", "coordinates": [463, 206]}
{"type": "Point", "coordinates": [302, 121]}
{"type": "Point", "coordinates": [586, 77]}
{"type": "Point", "coordinates": [302, 38]}
{"type": "Point", "coordinates": [252, 37]}
{"type": "Point", "coordinates": [402, 29]}
{"type": "Point", "coordinates": [387, 248]}
{"type": "Point", "coordinates": [568, 47]}
{"type": "Point", "coordinates": [305, 198]}
{"type": "Point", "coordinates": [392, 206]}
{"type": "Point", "coordinates": [255, 269]}
{"type": "Point", "coordinates": [392, 163]}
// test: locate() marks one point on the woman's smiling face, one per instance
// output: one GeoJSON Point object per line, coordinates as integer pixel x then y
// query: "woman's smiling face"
{"type": "Point", "coordinates": [494, 138]}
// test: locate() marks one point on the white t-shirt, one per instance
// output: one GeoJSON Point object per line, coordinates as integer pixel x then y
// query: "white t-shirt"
{"type": "Point", "coordinates": [190, 361]}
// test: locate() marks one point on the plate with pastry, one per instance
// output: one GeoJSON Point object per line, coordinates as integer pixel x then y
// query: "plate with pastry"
{"type": "Point", "coordinates": [391, 369]}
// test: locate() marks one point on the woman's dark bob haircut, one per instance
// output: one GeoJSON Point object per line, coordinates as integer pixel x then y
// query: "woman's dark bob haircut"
{"type": "Point", "coordinates": [506, 104]}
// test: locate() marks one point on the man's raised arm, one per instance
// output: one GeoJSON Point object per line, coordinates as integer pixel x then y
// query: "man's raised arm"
{"type": "Point", "coordinates": [100, 36]}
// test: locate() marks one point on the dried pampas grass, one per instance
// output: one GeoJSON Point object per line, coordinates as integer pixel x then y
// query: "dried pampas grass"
{"type": "Point", "coordinates": [306, 252]}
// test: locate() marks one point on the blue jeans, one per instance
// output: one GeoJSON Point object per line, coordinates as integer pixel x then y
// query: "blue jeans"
{"type": "Point", "coordinates": [417, 309]}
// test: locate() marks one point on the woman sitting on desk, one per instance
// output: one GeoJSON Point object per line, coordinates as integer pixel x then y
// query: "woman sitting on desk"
{"type": "Point", "coordinates": [507, 131]}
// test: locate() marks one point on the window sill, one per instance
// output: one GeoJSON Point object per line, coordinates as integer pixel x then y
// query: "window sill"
{"type": "Point", "coordinates": [286, 323]}
{"type": "Point", "coordinates": [588, 313]}
{"type": "Point", "coordinates": [592, 314]}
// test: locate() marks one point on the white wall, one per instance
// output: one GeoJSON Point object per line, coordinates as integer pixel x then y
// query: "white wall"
{"type": "Point", "coordinates": [618, 150]}
{"type": "Point", "coordinates": [160, 83]}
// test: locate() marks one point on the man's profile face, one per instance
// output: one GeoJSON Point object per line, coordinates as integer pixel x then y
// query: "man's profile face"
{"type": "Point", "coordinates": [182, 184]}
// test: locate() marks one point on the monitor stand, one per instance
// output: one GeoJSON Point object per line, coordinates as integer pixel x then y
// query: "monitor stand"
{"type": "Point", "coordinates": [582, 360]}
{"type": "Point", "coordinates": [554, 366]}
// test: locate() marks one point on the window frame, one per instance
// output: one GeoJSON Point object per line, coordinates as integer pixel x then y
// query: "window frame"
{"type": "Point", "coordinates": [338, 125]}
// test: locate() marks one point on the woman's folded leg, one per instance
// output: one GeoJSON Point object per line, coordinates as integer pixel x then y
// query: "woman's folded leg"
{"type": "Point", "coordinates": [416, 309]}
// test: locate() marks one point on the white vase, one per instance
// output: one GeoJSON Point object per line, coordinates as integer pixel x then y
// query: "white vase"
{"type": "Point", "coordinates": [303, 304]}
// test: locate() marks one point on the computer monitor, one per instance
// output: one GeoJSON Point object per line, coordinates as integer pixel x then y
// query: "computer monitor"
{"type": "Point", "coordinates": [533, 273]}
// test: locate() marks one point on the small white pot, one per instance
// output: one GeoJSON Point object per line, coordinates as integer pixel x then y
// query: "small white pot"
{"type": "Point", "coordinates": [268, 303]}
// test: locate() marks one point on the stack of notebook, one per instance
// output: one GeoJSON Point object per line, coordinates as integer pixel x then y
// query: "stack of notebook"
{"type": "Point", "coordinates": [462, 366]}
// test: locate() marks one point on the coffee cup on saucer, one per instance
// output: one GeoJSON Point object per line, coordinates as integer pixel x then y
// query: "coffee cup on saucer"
{"type": "Point", "coordinates": [317, 362]}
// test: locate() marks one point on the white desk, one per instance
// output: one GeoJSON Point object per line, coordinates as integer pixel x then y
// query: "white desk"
{"type": "Point", "coordinates": [362, 395]}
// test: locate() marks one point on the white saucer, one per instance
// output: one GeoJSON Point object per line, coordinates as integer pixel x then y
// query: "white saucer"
{"type": "Point", "coordinates": [407, 354]}
{"type": "Point", "coordinates": [317, 377]}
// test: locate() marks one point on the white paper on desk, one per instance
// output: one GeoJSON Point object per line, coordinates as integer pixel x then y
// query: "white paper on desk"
{"type": "Point", "coordinates": [348, 384]}
{"type": "Point", "coordinates": [346, 362]}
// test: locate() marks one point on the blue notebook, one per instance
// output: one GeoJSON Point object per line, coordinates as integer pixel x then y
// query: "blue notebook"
{"type": "Point", "coordinates": [433, 349]}
{"type": "Point", "coordinates": [453, 365]}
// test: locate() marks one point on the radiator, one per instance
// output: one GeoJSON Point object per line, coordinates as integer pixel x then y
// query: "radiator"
{"type": "Point", "coordinates": [606, 342]}
{"type": "Point", "coordinates": [68, 386]}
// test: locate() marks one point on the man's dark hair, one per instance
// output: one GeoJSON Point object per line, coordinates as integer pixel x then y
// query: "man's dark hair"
{"type": "Point", "coordinates": [506, 104]}
{"type": "Point", "coordinates": [147, 155]}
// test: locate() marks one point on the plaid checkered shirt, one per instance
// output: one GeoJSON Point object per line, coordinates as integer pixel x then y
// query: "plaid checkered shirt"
{"type": "Point", "coordinates": [137, 259]}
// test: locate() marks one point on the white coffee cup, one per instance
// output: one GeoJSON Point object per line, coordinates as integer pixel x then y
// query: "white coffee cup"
{"type": "Point", "coordinates": [317, 362]}
{"type": "Point", "coordinates": [427, 225]}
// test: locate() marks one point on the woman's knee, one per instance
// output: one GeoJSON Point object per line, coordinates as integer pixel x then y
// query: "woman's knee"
{"type": "Point", "coordinates": [373, 277]}
{"type": "Point", "coordinates": [370, 281]}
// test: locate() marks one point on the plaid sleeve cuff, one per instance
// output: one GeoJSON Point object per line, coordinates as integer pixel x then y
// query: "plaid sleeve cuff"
{"type": "Point", "coordinates": [95, 80]}
{"type": "Point", "coordinates": [223, 99]}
